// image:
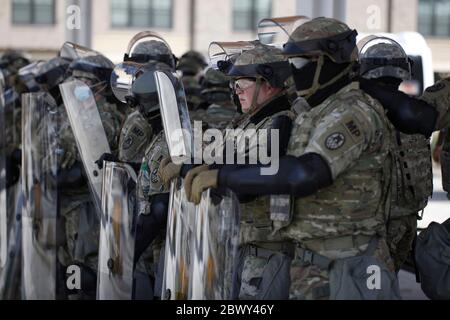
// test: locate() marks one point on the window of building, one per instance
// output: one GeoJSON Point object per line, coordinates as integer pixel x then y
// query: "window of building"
{"type": "Point", "coordinates": [33, 11]}
{"type": "Point", "coordinates": [141, 13]}
{"type": "Point", "coordinates": [434, 17]}
{"type": "Point", "coordinates": [248, 13]}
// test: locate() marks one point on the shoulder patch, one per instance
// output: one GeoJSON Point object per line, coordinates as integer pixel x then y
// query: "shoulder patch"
{"type": "Point", "coordinates": [335, 141]}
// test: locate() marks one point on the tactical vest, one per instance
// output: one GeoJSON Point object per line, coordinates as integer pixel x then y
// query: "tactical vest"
{"type": "Point", "coordinates": [257, 225]}
{"type": "Point", "coordinates": [412, 183]}
{"type": "Point", "coordinates": [445, 162]}
{"type": "Point", "coordinates": [149, 183]}
{"type": "Point", "coordinates": [357, 203]}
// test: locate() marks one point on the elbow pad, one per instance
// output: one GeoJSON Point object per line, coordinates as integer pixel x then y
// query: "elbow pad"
{"type": "Point", "coordinates": [299, 177]}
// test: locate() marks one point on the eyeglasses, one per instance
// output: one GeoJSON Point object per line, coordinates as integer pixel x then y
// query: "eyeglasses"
{"type": "Point", "coordinates": [243, 84]}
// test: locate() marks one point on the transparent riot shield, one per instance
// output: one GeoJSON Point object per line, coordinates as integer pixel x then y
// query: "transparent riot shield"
{"type": "Point", "coordinates": [88, 131]}
{"type": "Point", "coordinates": [181, 215]}
{"type": "Point", "coordinates": [276, 31]}
{"type": "Point", "coordinates": [40, 235]}
{"type": "Point", "coordinates": [179, 241]}
{"type": "Point", "coordinates": [175, 116]}
{"type": "Point", "coordinates": [3, 197]}
{"type": "Point", "coordinates": [117, 236]}
{"type": "Point", "coordinates": [28, 75]}
{"type": "Point", "coordinates": [215, 245]}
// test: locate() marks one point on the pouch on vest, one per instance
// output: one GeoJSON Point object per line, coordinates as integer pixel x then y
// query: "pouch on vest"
{"type": "Point", "coordinates": [363, 277]}
{"type": "Point", "coordinates": [280, 211]}
{"type": "Point", "coordinates": [433, 260]}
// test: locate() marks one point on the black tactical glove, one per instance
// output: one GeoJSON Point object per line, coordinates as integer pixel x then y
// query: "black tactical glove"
{"type": "Point", "coordinates": [106, 157]}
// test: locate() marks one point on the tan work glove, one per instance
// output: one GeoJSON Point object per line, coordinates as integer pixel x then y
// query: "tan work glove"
{"type": "Point", "coordinates": [201, 182]}
{"type": "Point", "coordinates": [168, 171]}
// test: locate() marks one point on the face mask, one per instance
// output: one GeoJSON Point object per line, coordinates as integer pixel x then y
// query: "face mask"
{"type": "Point", "coordinates": [304, 76]}
{"type": "Point", "coordinates": [82, 93]}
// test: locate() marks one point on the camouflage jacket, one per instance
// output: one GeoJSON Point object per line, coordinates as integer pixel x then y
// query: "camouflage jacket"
{"type": "Point", "coordinates": [134, 138]}
{"type": "Point", "coordinates": [351, 133]}
{"type": "Point", "coordinates": [149, 182]}
{"type": "Point", "coordinates": [256, 223]}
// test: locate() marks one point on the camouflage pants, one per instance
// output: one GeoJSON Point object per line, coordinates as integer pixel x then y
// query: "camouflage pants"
{"type": "Point", "coordinates": [261, 276]}
{"type": "Point", "coordinates": [343, 280]}
{"type": "Point", "coordinates": [400, 236]}
{"type": "Point", "coordinates": [147, 270]}
{"type": "Point", "coordinates": [82, 231]}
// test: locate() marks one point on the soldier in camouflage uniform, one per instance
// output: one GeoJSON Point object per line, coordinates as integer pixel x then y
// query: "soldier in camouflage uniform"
{"type": "Point", "coordinates": [216, 90]}
{"type": "Point", "coordinates": [10, 64]}
{"type": "Point", "coordinates": [152, 195]}
{"type": "Point", "coordinates": [10, 165]}
{"type": "Point", "coordinates": [137, 131]}
{"type": "Point", "coordinates": [259, 75]}
{"type": "Point", "coordinates": [412, 181]}
{"type": "Point", "coordinates": [78, 214]}
{"type": "Point", "coordinates": [337, 172]}
{"type": "Point", "coordinates": [191, 65]}
{"type": "Point", "coordinates": [143, 144]}
{"type": "Point", "coordinates": [439, 97]}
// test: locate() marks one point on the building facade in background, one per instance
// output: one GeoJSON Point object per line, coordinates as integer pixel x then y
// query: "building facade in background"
{"type": "Point", "coordinates": [42, 26]}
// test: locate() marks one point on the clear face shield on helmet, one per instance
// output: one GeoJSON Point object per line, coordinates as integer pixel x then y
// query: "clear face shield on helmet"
{"type": "Point", "coordinates": [134, 84]}
{"type": "Point", "coordinates": [139, 50]}
{"type": "Point", "coordinates": [223, 54]}
{"type": "Point", "coordinates": [276, 31]}
{"type": "Point", "coordinates": [383, 57]}
{"type": "Point", "coordinates": [28, 74]}
{"type": "Point", "coordinates": [73, 51]}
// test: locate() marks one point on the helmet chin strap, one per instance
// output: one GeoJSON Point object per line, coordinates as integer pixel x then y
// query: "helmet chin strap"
{"type": "Point", "coordinates": [316, 86]}
{"type": "Point", "coordinates": [254, 106]}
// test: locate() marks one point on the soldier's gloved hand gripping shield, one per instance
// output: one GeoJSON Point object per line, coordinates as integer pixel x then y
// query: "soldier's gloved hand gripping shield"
{"type": "Point", "coordinates": [181, 215]}
{"type": "Point", "coordinates": [201, 241]}
{"type": "Point", "coordinates": [131, 83]}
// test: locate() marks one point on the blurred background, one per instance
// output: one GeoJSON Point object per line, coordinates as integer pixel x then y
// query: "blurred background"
{"type": "Point", "coordinates": [40, 27]}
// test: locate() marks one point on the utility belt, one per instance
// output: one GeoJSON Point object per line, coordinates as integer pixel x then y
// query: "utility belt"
{"type": "Point", "coordinates": [334, 244]}
{"type": "Point", "coordinates": [267, 249]}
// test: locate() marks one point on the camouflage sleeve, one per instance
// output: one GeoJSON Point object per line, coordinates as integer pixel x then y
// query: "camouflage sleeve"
{"type": "Point", "coordinates": [149, 183]}
{"type": "Point", "coordinates": [112, 122]}
{"type": "Point", "coordinates": [438, 96]}
{"type": "Point", "coordinates": [134, 138]}
{"type": "Point", "coordinates": [342, 136]}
